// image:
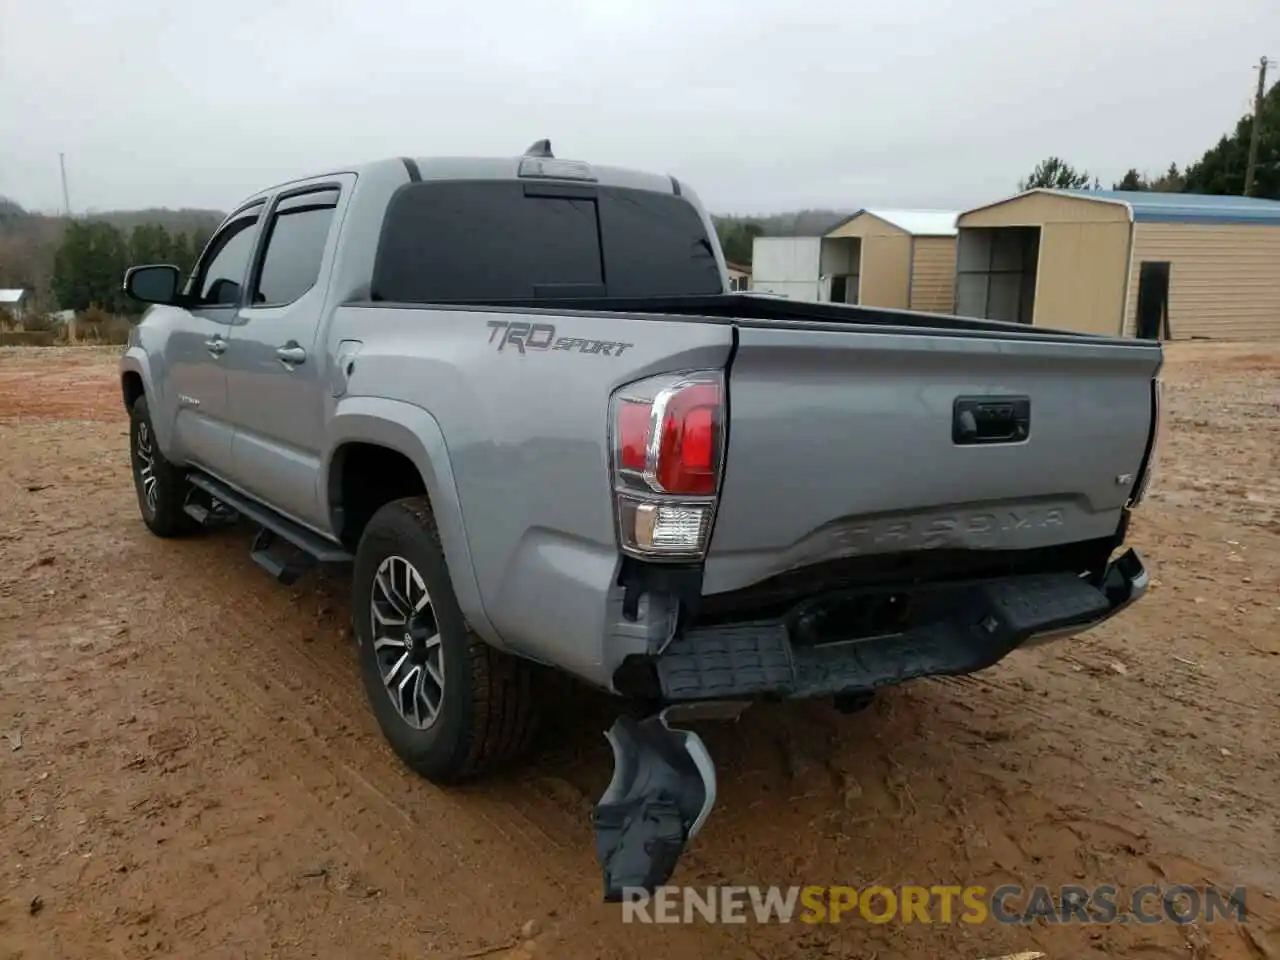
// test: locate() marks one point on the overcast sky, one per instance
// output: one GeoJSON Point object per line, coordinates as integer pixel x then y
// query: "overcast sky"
{"type": "Point", "coordinates": [759, 106]}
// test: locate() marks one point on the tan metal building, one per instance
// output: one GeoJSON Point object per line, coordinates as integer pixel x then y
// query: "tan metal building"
{"type": "Point", "coordinates": [1158, 265]}
{"type": "Point", "coordinates": [903, 259]}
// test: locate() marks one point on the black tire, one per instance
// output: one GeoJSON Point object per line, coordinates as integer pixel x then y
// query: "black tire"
{"type": "Point", "coordinates": [486, 713]}
{"type": "Point", "coordinates": [163, 514]}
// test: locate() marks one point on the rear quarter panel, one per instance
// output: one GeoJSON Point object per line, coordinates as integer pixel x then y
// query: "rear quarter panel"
{"type": "Point", "coordinates": [526, 439]}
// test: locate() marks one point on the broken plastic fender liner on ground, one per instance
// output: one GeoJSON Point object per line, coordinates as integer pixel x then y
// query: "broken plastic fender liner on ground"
{"type": "Point", "coordinates": [662, 790]}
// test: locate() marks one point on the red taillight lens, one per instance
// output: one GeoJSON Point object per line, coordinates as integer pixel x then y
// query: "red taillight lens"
{"type": "Point", "coordinates": [633, 434]}
{"type": "Point", "coordinates": [687, 458]}
{"type": "Point", "coordinates": [668, 434]}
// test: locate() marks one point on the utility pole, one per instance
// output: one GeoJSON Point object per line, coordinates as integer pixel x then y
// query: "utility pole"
{"type": "Point", "coordinates": [1256, 135]}
{"type": "Point", "coordinates": [67, 200]}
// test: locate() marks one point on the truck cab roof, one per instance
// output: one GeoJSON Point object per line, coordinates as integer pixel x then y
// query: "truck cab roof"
{"type": "Point", "coordinates": [409, 168]}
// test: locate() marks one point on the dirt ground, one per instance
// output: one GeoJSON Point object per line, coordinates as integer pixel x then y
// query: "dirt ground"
{"type": "Point", "coordinates": [188, 767]}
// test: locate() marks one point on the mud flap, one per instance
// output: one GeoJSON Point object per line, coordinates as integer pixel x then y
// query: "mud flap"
{"type": "Point", "coordinates": [663, 788]}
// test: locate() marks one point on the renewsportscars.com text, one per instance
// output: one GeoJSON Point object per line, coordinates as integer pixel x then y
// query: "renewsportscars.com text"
{"type": "Point", "coordinates": [973, 904]}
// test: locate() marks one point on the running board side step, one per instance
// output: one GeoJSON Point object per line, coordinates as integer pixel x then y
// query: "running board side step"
{"type": "Point", "coordinates": [662, 791]}
{"type": "Point", "coordinates": [312, 544]}
{"type": "Point", "coordinates": [285, 562]}
{"type": "Point", "coordinates": [210, 514]}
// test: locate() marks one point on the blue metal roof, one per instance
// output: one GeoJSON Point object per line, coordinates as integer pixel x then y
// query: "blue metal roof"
{"type": "Point", "coordinates": [1148, 206]}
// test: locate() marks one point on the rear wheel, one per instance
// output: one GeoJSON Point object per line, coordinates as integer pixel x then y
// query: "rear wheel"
{"type": "Point", "coordinates": [450, 705]}
{"type": "Point", "coordinates": [161, 487]}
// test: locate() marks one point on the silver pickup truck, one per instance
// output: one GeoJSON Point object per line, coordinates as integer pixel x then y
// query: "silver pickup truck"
{"type": "Point", "coordinates": [517, 396]}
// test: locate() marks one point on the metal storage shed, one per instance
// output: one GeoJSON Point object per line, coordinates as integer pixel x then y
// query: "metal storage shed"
{"type": "Point", "coordinates": [1167, 265]}
{"type": "Point", "coordinates": [901, 259]}
{"type": "Point", "coordinates": [787, 267]}
{"type": "Point", "coordinates": [13, 300]}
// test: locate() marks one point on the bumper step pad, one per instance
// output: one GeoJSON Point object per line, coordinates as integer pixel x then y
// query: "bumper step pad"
{"type": "Point", "coordinates": [976, 626]}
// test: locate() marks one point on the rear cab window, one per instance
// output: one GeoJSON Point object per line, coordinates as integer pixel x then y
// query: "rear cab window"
{"type": "Point", "coordinates": [497, 240]}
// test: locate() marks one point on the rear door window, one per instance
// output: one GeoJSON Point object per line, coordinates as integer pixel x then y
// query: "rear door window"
{"type": "Point", "coordinates": [492, 241]}
{"type": "Point", "coordinates": [295, 246]}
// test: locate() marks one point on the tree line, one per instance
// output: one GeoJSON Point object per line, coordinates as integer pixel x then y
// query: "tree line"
{"type": "Point", "coordinates": [71, 263]}
{"type": "Point", "coordinates": [1220, 172]}
{"type": "Point", "coordinates": [737, 234]}
{"type": "Point", "coordinates": [93, 256]}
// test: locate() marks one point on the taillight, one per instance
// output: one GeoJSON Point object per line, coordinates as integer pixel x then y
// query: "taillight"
{"type": "Point", "coordinates": [633, 435]}
{"type": "Point", "coordinates": [1143, 486]}
{"type": "Point", "coordinates": [668, 451]}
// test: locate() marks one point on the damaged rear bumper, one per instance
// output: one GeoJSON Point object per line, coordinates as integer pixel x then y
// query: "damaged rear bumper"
{"type": "Point", "coordinates": [824, 648]}
{"type": "Point", "coordinates": [664, 783]}
{"type": "Point", "coordinates": [1126, 583]}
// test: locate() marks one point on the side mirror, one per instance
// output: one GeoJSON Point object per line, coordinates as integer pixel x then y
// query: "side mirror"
{"type": "Point", "coordinates": [157, 283]}
{"type": "Point", "coordinates": [222, 293]}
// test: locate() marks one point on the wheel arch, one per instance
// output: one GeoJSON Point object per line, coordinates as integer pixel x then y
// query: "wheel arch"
{"type": "Point", "coordinates": [405, 431]}
{"type": "Point", "coordinates": [132, 388]}
{"type": "Point", "coordinates": [136, 382]}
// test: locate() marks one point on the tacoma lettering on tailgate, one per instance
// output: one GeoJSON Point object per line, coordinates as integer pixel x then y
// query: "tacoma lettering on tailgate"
{"type": "Point", "coordinates": [931, 532]}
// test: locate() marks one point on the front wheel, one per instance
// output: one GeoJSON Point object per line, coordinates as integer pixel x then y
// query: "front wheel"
{"type": "Point", "coordinates": [450, 705]}
{"type": "Point", "coordinates": [161, 487]}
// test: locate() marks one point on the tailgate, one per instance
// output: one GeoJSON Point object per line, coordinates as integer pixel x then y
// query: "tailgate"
{"type": "Point", "coordinates": [860, 442]}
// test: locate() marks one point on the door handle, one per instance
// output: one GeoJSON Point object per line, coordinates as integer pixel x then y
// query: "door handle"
{"type": "Point", "coordinates": [216, 346]}
{"type": "Point", "coordinates": [290, 355]}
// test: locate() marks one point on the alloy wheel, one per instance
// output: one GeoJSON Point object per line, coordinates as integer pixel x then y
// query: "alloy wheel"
{"type": "Point", "coordinates": [147, 466]}
{"type": "Point", "coordinates": [406, 642]}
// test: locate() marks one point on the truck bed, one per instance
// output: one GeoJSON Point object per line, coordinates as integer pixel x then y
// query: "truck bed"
{"type": "Point", "coordinates": [750, 310]}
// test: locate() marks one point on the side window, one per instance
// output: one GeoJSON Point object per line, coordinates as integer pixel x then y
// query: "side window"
{"type": "Point", "coordinates": [227, 262]}
{"type": "Point", "coordinates": [296, 239]}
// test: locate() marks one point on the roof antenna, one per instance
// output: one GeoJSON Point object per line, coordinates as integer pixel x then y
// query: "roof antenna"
{"type": "Point", "coordinates": [540, 148]}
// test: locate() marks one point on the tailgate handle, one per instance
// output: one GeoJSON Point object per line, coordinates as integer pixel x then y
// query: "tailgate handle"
{"type": "Point", "coordinates": [990, 420]}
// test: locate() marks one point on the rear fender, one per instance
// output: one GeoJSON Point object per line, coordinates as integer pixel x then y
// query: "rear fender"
{"type": "Point", "coordinates": [413, 432]}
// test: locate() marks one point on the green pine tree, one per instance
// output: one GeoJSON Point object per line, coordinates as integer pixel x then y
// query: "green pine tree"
{"type": "Point", "coordinates": [89, 266]}
{"type": "Point", "coordinates": [1221, 170]}
{"type": "Point", "coordinates": [1055, 173]}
